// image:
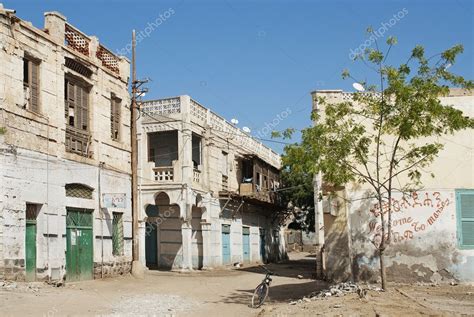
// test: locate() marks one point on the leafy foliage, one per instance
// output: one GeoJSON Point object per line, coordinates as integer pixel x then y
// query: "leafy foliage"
{"type": "Point", "coordinates": [387, 132]}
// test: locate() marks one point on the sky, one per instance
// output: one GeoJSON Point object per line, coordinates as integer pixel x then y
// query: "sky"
{"type": "Point", "coordinates": [258, 61]}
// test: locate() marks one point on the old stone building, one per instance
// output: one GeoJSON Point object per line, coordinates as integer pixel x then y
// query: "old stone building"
{"type": "Point", "coordinates": [208, 190]}
{"type": "Point", "coordinates": [432, 229]}
{"type": "Point", "coordinates": [65, 153]}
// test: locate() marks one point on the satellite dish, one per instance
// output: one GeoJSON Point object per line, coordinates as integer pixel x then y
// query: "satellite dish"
{"type": "Point", "coordinates": [234, 121]}
{"type": "Point", "coordinates": [246, 129]}
{"type": "Point", "coordinates": [358, 87]}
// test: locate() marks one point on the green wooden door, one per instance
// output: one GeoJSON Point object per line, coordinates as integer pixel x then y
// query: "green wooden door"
{"type": "Point", "coordinates": [30, 250]}
{"type": "Point", "coordinates": [79, 250]}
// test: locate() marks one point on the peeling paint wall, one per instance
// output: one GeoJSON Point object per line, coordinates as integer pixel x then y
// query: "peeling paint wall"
{"type": "Point", "coordinates": [425, 240]}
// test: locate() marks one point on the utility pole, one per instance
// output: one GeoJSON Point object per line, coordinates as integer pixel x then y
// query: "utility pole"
{"type": "Point", "coordinates": [137, 268]}
{"type": "Point", "coordinates": [318, 216]}
{"type": "Point", "coordinates": [319, 227]}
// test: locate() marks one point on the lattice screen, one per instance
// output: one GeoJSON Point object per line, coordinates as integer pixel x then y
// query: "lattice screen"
{"type": "Point", "coordinates": [79, 191]}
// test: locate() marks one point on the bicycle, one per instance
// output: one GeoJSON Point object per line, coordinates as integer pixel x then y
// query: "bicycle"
{"type": "Point", "coordinates": [261, 291]}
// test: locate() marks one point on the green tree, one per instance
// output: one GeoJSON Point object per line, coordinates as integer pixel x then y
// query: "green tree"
{"type": "Point", "coordinates": [298, 193]}
{"type": "Point", "coordinates": [376, 136]}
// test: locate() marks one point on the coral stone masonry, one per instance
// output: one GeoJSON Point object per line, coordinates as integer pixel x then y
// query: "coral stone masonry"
{"type": "Point", "coordinates": [65, 210]}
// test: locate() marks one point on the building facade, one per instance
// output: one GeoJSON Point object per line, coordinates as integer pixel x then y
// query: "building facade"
{"type": "Point", "coordinates": [65, 209]}
{"type": "Point", "coordinates": [208, 190]}
{"type": "Point", "coordinates": [432, 229]}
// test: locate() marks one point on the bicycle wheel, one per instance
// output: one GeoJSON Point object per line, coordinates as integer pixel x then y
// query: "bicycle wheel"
{"type": "Point", "coordinates": [259, 295]}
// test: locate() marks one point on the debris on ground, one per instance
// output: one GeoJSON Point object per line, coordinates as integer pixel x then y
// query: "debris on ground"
{"type": "Point", "coordinates": [21, 286]}
{"type": "Point", "coordinates": [338, 290]}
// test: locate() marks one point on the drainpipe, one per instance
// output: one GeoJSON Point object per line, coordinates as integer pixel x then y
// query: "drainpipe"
{"type": "Point", "coordinates": [101, 164]}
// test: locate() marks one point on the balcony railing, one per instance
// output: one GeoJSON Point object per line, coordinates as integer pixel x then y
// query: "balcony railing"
{"type": "Point", "coordinates": [162, 106]}
{"type": "Point", "coordinates": [225, 182]}
{"type": "Point", "coordinates": [196, 176]}
{"type": "Point", "coordinates": [163, 174]}
{"type": "Point", "coordinates": [78, 141]}
{"type": "Point", "coordinates": [108, 59]}
{"type": "Point", "coordinates": [76, 40]}
{"type": "Point", "coordinates": [202, 115]}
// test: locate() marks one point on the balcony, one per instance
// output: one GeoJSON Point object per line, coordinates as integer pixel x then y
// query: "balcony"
{"type": "Point", "coordinates": [163, 174]}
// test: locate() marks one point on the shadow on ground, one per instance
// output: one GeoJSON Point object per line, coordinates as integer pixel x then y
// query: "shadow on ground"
{"type": "Point", "coordinates": [278, 293]}
{"type": "Point", "coordinates": [291, 271]}
{"type": "Point", "coordinates": [304, 267]}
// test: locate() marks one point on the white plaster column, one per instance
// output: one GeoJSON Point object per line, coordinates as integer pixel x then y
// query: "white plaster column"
{"type": "Point", "coordinates": [206, 246]}
{"type": "Point", "coordinates": [142, 238]}
{"type": "Point", "coordinates": [186, 232]}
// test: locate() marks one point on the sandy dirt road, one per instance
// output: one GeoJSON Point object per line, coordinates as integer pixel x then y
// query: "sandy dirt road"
{"type": "Point", "coordinates": [226, 292]}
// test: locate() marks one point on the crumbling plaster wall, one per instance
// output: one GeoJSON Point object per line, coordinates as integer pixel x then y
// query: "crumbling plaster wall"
{"type": "Point", "coordinates": [424, 234]}
{"type": "Point", "coordinates": [35, 166]}
{"type": "Point", "coordinates": [34, 178]}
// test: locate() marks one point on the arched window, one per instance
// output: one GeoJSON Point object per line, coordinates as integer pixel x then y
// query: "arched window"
{"type": "Point", "coordinates": [162, 199]}
{"type": "Point", "coordinates": [79, 191]}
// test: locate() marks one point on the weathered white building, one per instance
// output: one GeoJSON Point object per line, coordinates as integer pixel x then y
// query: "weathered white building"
{"type": "Point", "coordinates": [208, 191]}
{"type": "Point", "coordinates": [432, 229]}
{"type": "Point", "coordinates": [65, 153]}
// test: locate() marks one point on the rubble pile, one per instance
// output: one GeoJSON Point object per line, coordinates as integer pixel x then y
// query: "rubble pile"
{"type": "Point", "coordinates": [20, 286]}
{"type": "Point", "coordinates": [338, 290]}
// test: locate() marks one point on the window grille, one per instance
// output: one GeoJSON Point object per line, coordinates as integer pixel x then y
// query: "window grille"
{"type": "Point", "coordinates": [31, 211]}
{"type": "Point", "coordinates": [117, 234]}
{"type": "Point", "coordinates": [78, 191]}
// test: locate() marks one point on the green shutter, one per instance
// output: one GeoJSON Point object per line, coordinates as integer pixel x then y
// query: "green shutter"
{"type": "Point", "coordinates": [467, 229]}
{"type": "Point", "coordinates": [465, 216]}
{"type": "Point", "coordinates": [467, 205]}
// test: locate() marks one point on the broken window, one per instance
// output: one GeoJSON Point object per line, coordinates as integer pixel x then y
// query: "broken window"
{"type": "Point", "coordinates": [163, 148]}
{"type": "Point", "coordinates": [115, 105]}
{"type": "Point", "coordinates": [31, 84]}
{"type": "Point", "coordinates": [117, 234]}
{"type": "Point", "coordinates": [225, 163]}
{"type": "Point", "coordinates": [197, 147]}
{"type": "Point", "coordinates": [258, 182]}
{"type": "Point", "coordinates": [76, 112]}
{"type": "Point", "coordinates": [247, 171]}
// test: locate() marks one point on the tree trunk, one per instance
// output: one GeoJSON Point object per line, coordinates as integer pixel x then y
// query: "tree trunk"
{"type": "Point", "coordinates": [383, 274]}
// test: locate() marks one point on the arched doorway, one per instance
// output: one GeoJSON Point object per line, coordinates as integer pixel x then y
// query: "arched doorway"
{"type": "Point", "coordinates": [163, 238]}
